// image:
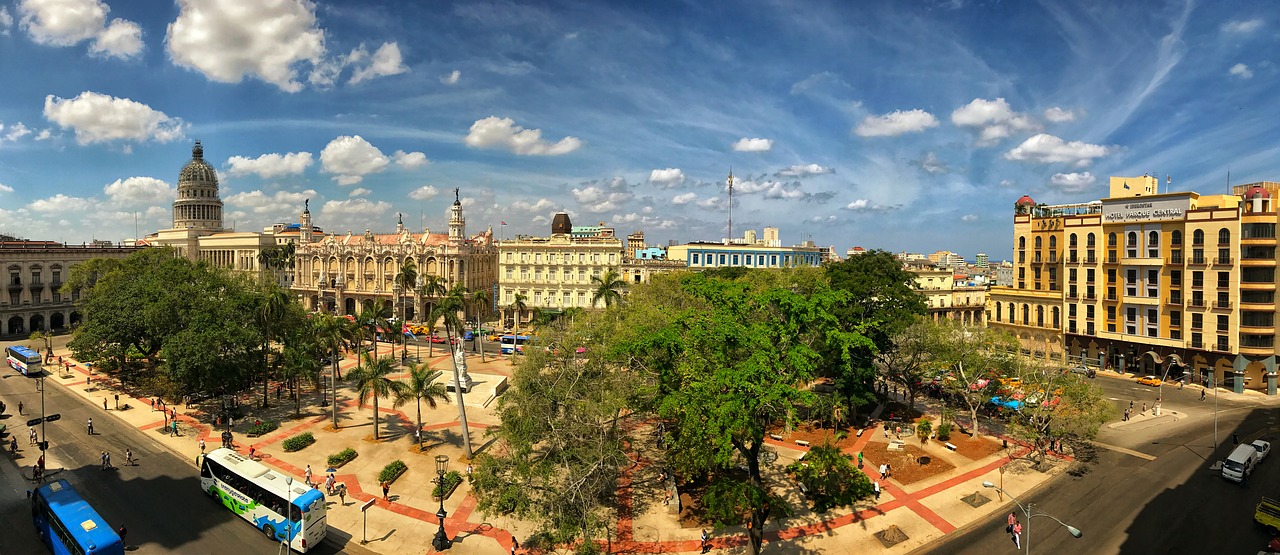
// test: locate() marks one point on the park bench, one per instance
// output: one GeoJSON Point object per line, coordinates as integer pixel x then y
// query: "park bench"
{"type": "Point", "coordinates": [802, 443]}
{"type": "Point", "coordinates": [897, 445]}
{"type": "Point", "coordinates": [950, 446]}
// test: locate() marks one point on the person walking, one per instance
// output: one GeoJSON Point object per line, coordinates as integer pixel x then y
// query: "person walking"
{"type": "Point", "coordinates": [859, 459]}
{"type": "Point", "coordinates": [386, 491]}
{"type": "Point", "coordinates": [883, 471]}
{"type": "Point", "coordinates": [122, 532]}
{"type": "Point", "coordinates": [307, 475]}
{"type": "Point", "coordinates": [876, 486]}
{"type": "Point", "coordinates": [886, 430]}
{"type": "Point", "coordinates": [1012, 518]}
{"type": "Point", "coordinates": [31, 435]}
{"type": "Point", "coordinates": [104, 403]}
{"type": "Point", "coordinates": [1017, 535]}
{"type": "Point", "coordinates": [20, 405]}
{"type": "Point", "coordinates": [1202, 394]}
{"type": "Point", "coordinates": [1144, 409]}
{"type": "Point", "coordinates": [342, 494]}
{"type": "Point", "coordinates": [13, 444]}
{"type": "Point", "coordinates": [103, 458]}
{"type": "Point", "coordinates": [90, 426]}
{"type": "Point", "coordinates": [201, 446]}
{"type": "Point", "coordinates": [706, 542]}
{"type": "Point", "coordinates": [128, 458]}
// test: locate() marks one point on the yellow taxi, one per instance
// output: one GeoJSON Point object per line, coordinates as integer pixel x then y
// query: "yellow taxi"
{"type": "Point", "coordinates": [1149, 380]}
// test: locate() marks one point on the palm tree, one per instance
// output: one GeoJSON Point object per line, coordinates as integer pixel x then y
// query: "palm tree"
{"type": "Point", "coordinates": [432, 287]}
{"type": "Point", "coordinates": [301, 362]}
{"type": "Point", "coordinates": [373, 318]}
{"type": "Point", "coordinates": [373, 381]}
{"type": "Point", "coordinates": [275, 303]}
{"type": "Point", "coordinates": [608, 288]}
{"type": "Point", "coordinates": [329, 336]}
{"type": "Point", "coordinates": [448, 311]}
{"type": "Point", "coordinates": [421, 387]}
{"type": "Point", "coordinates": [352, 336]}
{"type": "Point", "coordinates": [406, 279]}
{"type": "Point", "coordinates": [519, 307]}
{"type": "Point", "coordinates": [480, 299]}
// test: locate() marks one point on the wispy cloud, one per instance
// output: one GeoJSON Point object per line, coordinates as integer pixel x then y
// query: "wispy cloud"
{"type": "Point", "coordinates": [895, 123]}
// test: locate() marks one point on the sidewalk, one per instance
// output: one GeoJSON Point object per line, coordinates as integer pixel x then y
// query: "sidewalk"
{"type": "Point", "coordinates": [406, 521]}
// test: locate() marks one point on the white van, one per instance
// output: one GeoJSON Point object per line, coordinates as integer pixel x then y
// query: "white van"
{"type": "Point", "coordinates": [1240, 464]}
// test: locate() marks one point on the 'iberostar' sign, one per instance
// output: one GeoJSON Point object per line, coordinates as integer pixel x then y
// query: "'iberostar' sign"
{"type": "Point", "coordinates": [1142, 210]}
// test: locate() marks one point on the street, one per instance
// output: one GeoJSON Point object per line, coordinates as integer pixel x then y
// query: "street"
{"type": "Point", "coordinates": [159, 500]}
{"type": "Point", "coordinates": [1127, 503]}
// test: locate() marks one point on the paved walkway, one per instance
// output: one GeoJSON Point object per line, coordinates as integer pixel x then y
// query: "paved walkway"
{"type": "Point", "coordinates": [405, 521]}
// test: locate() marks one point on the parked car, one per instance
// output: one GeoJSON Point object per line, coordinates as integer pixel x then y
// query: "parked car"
{"type": "Point", "coordinates": [1149, 380]}
{"type": "Point", "coordinates": [438, 339]}
{"type": "Point", "coordinates": [1263, 447]}
{"type": "Point", "coordinates": [1084, 371]}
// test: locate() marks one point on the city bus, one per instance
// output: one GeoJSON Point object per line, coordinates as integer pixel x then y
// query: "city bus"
{"type": "Point", "coordinates": [23, 359]}
{"type": "Point", "coordinates": [260, 495]}
{"type": "Point", "coordinates": [513, 343]}
{"type": "Point", "coordinates": [69, 525]}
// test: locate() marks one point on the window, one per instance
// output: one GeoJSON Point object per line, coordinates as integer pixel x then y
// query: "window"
{"type": "Point", "coordinates": [1057, 321]}
{"type": "Point", "coordinates": [1026, 314]}
{"type": "Point", "coordinates": [1088, 275]}
{"type": "Point", "coordinates": [1038, 243]}
{"type": "Point", "coordinates": [722, 259]}
{"type": "Point", "coordinates": [1111, 239]}
{"type": "Point", "coordinates": [1040, 316]}
{"type": "Point", "coordinates": [695, 259]}
{"type": "Point", "coordinates": [1175, 319]}
{"type": "Point", "coordinates": [1153, 283]}
{"type": "Point", "coordinates": [1197, 321]}
{"type": "Point", "coordinates": [1053, 242]}
{"type": "Point", "coordinates": [509, 272]}
{"type": "Point", "coordinates": [1089, 241]}
{"type": "Point", "coordinates": [1131, 320]}
{"type": "Point", "coordinates": [1153, 244]}
{"type": "Point", "coordinates": [1071, 275]}
{"type": "Point", "coordinates": [1224, 280]}
{"type": "Point", "coordinates": [1175, 238]}
{"type": "Point", "coordinates": [1153, 322]}
{"type": "Point", "coordinates": [1224, 236]}
{"type": "Point", "coordinates": [1175, 278]}
{"type": "Point", "coordinates": [735, 260]}
{"type": "Point", "coordinates": [1197, 238]}
{"type": "Point", "coordinates": [1223, 323]}
{"type": "Point", "coordinates": [1197, 279]}
{"type": "Point", "coordinates": [1131, 282]}
{"type": "Point", "coordinates": [1022, 243]}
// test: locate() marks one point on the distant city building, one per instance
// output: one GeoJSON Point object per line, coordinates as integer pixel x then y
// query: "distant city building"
{"type": "Point", "coordinates": [854, 251]}
{"type": "Point", "coordinates": [745, 253]}
{"type": "Point", "coordinates": [949, 298]}
{"type": "Point", "coordinates": [947, 259]}
{"type": "Point", "coordinates": [828, 254]}
{"type": "Point", "coordinates": [554, 273]}
{"type": "Point", "coordinates": [33, 299]}
{"type": "Point", "coordinates": [981, 260]}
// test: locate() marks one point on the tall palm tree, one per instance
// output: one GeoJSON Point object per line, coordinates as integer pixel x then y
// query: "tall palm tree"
{"type": "Point", "coordinates": [373, 380]}
{"type": "Point", "coordinates": [275, 302]}
{"type": "Point", "coordinates": [328, 333]}
{"type": "Point", "coordinates": [480, 300]}
{"type": "Point", "coordinates": [519, 307]}
{"type": "Point", "coordinates": [608, 288]}
{"type": "Point", "coordinates": [353, 337]}
{"type": "Point", "coordinates": [432, 288]}
{"type": "Point", "coordinates": [421, 387]}
{"type": "Point", "coordinates": [448, 312]}
{"type": "Point", "coordinates": [406, 279]}
{"type": "Point", "coordinates": [301, 362]}
{"type": "Point", "coordinates": [373, 318]}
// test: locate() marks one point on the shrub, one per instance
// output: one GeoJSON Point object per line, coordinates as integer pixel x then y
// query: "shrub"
{"type": "Point", "coordinates": [299, 442]}
{"type": "Point", "coordinates": [452, 478]}
{"type": "Point", "coordinates": [342, 457]}
{"type": "Point", "coordinates": [392, 471]}
{"type": "Point", "coordinates": [944, 431]}
{"type": "Point", "coordinates": [830, 477]}
{"type": "Point", "coordinates": [923, 428]}
{"type": "Point", "coordinates": [262, 428]}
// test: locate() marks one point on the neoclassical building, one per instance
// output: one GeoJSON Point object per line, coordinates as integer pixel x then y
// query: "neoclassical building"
{"type": "Point", "coordinates": [344, 274]}
{"type": "Point", "coordinates": [33, 299]}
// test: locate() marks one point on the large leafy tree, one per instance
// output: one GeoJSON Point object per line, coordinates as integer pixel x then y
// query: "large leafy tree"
{"type": "Point", "coordinates": [563, 440]}
{"type": "Point", "coordinates": [422, 386]}
{"type": "Point", "coordinates": [974, 357]}
{"type": "Point", "coordinates": [373, 380]}
{"type": "Point", "coordinates": [729, 357]}
{"type": "Point", "coordinates": [909, 360]}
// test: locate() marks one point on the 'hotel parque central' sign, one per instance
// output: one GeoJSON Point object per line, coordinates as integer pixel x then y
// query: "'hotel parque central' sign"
{"type": "Point", "coordinates": [1138, 209]}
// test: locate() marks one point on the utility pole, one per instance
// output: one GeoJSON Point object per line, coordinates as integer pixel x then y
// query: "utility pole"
{"type": "Point", "coordinates": [731, 205]}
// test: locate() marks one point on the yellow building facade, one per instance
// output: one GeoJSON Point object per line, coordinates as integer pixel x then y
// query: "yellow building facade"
{"type": "Point", "coordinates": [553, 273]}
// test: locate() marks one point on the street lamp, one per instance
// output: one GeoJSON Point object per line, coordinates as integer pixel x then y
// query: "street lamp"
{"type": "Point", "coordinates": [404, 354]}
{"type": "Point", "coordinates": [288, 510]}
{"type": "Point", "coordinates": [441, 542]}
{"type": "Point", "coordinates": [1027, 510]}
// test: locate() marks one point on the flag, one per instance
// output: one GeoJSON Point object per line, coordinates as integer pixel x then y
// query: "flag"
{"type": "Point", "coordinates": [407, 333]}
{"type": "Point", "coordinates": [504, 223]}
{"type": "Point", "coordinates": [1126, 184]}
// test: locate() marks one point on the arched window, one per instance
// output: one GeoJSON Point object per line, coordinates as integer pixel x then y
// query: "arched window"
{"type": "Point", "coordinates": [1038, 243]}
{"type": "Point", "coordinates": [998, 311]}
{"type": "Point", "coordinates": [1197, 238]}
{"type": "Point", "coordinates": [1175, 238]}
{"type": "Point", "coordinates": [1026, 314]}
{"type": "Point", "coordinates": [1013, 316]}
{"type": "Point", "coordinates": [1111, 239]}
{"type": "Point", "coordinates": [1053, 243]}
{"type": "Point", "coordinates": [1022, 242]}
{"type": "Point", "coordinates": [1153, 239]}
{"type": "Point", "coordinates": [1090, 241]}
{"type": "Point", "coordinates": [1224, 236]}
{"type": "Point", "coordinates": [1072, 240]}
{"type": "Point", "coordinates": [1132, 240]}
{"type": "Point", "coordinates": [1056, 317]}
{"type": "Point", "coordinates": [1040, 316]}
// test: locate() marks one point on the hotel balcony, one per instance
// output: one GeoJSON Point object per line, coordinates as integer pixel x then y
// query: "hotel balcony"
{"type": "Point", "coordinates": [1198, 261]}
{"type": "Point", "coordinates": [1223, 261]}
{"type": "Point", "coordinates": [1198, 303]}
{"type": "Point", "coordinates": [1222, 304]}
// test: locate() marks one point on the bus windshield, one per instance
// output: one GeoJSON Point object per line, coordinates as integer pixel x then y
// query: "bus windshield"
{"type": "Point", "coordinates": [22, 359]}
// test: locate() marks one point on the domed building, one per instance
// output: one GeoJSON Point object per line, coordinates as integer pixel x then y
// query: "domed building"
{"type": "Point", "coordinates": [197, 205]}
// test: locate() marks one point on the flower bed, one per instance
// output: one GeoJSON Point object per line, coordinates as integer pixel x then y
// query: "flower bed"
{"type": "Point", "coordinates": [451, 482]}
{"type": "Point", "coordinates": [262, 428]}
{"type": "Point", "coordinates": [342, 457]}
{"type": "Point", "coordinates": [392, 471]}
{"type": "Point", "coordinates": [298, 442]}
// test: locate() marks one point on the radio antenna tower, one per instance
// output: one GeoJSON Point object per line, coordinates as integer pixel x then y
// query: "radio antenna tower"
{"type": "Point", "coordinates": [730, 241]}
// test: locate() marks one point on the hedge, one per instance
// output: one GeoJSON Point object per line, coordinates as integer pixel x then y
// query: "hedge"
{"type": "Point", "coordinates": [451, 479]}
{"type": "Point", "coordinates": [299, 441]}
{"type": "Point", "coordinates": [392, 471]}
{"type": "Point", "coordinates": [342, 457]}
{"type": "Point", "coordinates": [262, 428]}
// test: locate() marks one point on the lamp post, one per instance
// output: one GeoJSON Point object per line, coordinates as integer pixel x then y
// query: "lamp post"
{"type": "Point", "coordinates": [288, 510]}
{"type": "Point", "coordinates": [404, 350]}
{"type": "Point", "coordinates": [1027, 510]}
{"type": "Point", "coordinates": [441, 541]}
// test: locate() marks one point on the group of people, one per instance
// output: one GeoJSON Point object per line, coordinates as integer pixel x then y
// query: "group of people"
{"type": "Point", "coordinates": [1015, 530]}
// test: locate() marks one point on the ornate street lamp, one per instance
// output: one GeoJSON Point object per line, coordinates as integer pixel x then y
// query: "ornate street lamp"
{"type": "Point", "coordinates": [441, 541]}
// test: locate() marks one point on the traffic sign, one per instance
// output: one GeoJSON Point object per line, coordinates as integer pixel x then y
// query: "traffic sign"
{"type": "Point", "coordinates": [367, 504]}
{"type": "Point", "coordinates": [52, 417]}
{"type": "Point", "coordinates": [34, 421]}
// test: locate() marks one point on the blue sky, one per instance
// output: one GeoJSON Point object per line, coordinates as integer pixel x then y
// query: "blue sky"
{"type": "Point", "coordinates": [904, 125]}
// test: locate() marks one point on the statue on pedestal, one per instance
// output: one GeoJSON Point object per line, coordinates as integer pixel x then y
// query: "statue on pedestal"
{"type": "Point", "coordinates": [460, 369]}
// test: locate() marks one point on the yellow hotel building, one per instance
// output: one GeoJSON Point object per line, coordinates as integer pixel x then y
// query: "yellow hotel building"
{"type": "Point", "coordinates": [1177, 284]}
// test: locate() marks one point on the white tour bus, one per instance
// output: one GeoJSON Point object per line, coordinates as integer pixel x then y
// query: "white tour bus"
{"type": "Point", "coordinates": [260, 495]}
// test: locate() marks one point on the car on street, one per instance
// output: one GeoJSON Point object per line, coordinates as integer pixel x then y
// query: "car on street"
{"type": "Point", "coordinates": [1263, 447]}
{"type": "Point", "coordinates": [1149, 380]}
{"type": "Point", "coordinates": [1084, 371]}
{"type": "Point", "coordinates": [438, 339]}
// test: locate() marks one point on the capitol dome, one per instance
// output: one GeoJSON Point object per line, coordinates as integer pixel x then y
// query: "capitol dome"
{"type": "Point", "coordinates": [197, 169]}
{"type": "Point", "coordinates": [198, 205]}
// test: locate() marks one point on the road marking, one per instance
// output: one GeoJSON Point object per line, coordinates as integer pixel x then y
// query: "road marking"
{"type": "Point", "coordinates": [1119, 449]}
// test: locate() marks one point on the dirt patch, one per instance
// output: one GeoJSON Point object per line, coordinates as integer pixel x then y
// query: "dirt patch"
{"type": "Point", "coordinates": [817, 436]}
{"type": "Point", "coordinates": [974, 448]}
{"type": "Point", "coordinates": [909, 465]}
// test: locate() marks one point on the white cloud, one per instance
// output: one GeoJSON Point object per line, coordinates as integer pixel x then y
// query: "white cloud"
{"type": "Point", "coordinates": [353, 213]}
{"type": "Point", "coordinates": [139, 190]}
{"type": "Point", "coordinates": [596, 196]}
{"type": "Point", "coordinates": [1242, 27]}
{"type": "Point", "coordinates": [279, 204]}
{"type": "Point", "coordinates": [541, 205]}
{"type": "Point", "coordinates": [16, 131]}
{"type": "Point", "coordinates": [932, 164]}
{"type": "Point", "coordinates": [495, 132]}
{"type": "Point", "coordinates": [895, 123]}
{"type": "Point", "coordinates": [69, 22]}
{"type": "Point", "coordinates": [992, 119]}
{"type": "Point", "coordinates": [423, 193]}
{"type": "Point", "coordinates": [44, 134]}
{"type": "Point", "coordinates": [62, 204]}
{"type": "Point", "coordinates": [1073, 182]}
{"type": "Point", "coordinates": [1240, 70]}
{"type": "Point", "coordinates": [100, 118]}
{"type": "Point", "coordinates": [666, 178]}
{"type": "Point", "coordinates": [359, 192]}
{"type": "Point", "coordinates": [753, 145]}
{"type": "Point", "coordinates": [804, 170]}
{"type": "Point", "coordinates": [409, 160]}
{"type": "Point", "coordinates": [711, 203]}
{"type": "Point", "coordinates": [351, 158]}
{"type": "Point", "coordinates": [684, 198]}
{"type": "Point", "coordinates": [272, 165]}
{"type": "Point", "coordinates": [1048, 149]}
{"type": "Point", "coordinates": [1007, 183]}
{"type": "Point", "coordinates": [228, 40]}
{"type": "Point", "coordinates": [5, 188]}
{"type": "Point", "coordinates": [860, 204]}
{"type": "Point", "coordinates": [385, 61]}
{"type": "Point", "coordinates": [1059, 115]}
{"type": "Point", "coordinates": [452, 78]}
{"type": "Point", "coordinates": [6, 20]}
{"type": "Point", "coordinates": [969, 218]}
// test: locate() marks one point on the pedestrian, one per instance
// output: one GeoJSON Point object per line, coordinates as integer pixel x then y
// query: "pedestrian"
{"type": "Point", "coordinates": [342, 494]}
{"type": "Point", "coordinates": [117, 401]}
{"type": "Point", "coordinates": [1012, 518]}
{"type": "Point", "coordinates": [329, 482]}
{"type": "Point", "coordinates": [90, 426]}
{"type": "Point", "coordinates": [706, 543]}
{"type": "Point", "coordinates": [217, 421]}
{"type": "Point", "coordinates": [886, 430]}
{"type": "Point", "coordinates": [104, 403]}
{"type": "Point", "coordinates": [883, 471]}
{"type": "Point", "coordinates": [386, 491]}
{"type": "Point", "coordinates": [1144, 409]}
{"type": "Point", "coordinates": [1126, 416]}
{"type": "Point", "coordinates": [175, 429]}
{"type": "Point", "coordinates": [859, 459]}
{"type": "Point", "coordinates": [128, 458]}
{"type": "Point", "coordinates": [173, 414]}
{"type": "Point", "coordinates": [1131, 404]}
{"type": "Point", "coordinates": [103, 458]}
{"type": "Point", "coordinates": [307, 475]}
{"type": "Point", "coordinates": [1235, 439]}
{"type": "Point", "coordinates": [109, 467]}
{"type": "Point", "coordinates": [13, 444]}
{"type": "Point", "coordinates": [888, 470]}
{"type": "Point", "coordinates": [1017, 535]}
{"type": "Point", "coordinates": [20, 408]}
{"type": "Point", "coordinates": [1201, 395]}
{"type": "Point", "coordinates": [88, 381]}
{"type": "Point", "coordinates": [279, 388]}
{"type": "Point", "coordinates": [898, 432]}
{"type": "Point", "coordinates": [201, 446]}
{"type": "Point", "coordinates": [469, 470]}
{"type": "Point", "coordinates": [876, 485]}
{"type": "Point", "coordinates": [31, 435]}
{"type": "Point", "coordinates": [122, 532]}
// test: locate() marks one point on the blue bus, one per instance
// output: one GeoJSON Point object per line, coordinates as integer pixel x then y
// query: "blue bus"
{"type": "Point", "coordinates": [69, 525]}
{"type": "Point", "coordinates": [23, 359]}
{"type": "Point", "coordinates": [513, 343]}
